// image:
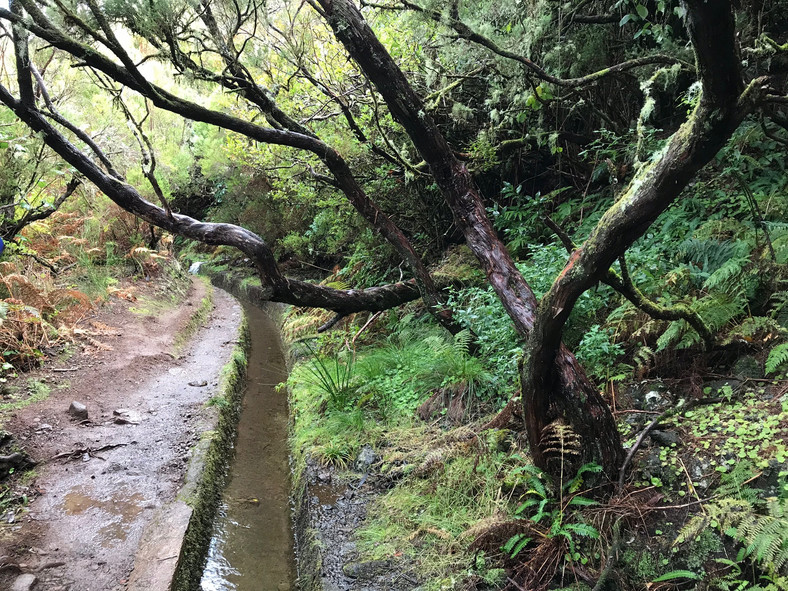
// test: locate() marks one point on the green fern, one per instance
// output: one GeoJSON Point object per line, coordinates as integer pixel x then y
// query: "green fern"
{"type": "Point", "coordinates": [777, 358]}
{"type": "Point", "coordinates": [728, 274]}
{"type": "Point", "coordinates": [672, 334]}
{"type": "Point", "coordinates": [462, 341]}
{"type": "Point", "coordinates": [643, 358]}
{"type": "Point", "coordinates": [709, 255]}
{"type": "Point", "coordinates": [720, 308]}
{"type": "Point", "coordinates": [765, 537]}
{"type": "Point", "coordinates": [755, 328]}
{"type": "Point", "coordinates": [677, 574]}
{"type": "Point", "coordinates": [779, 307]}
{"type": "Point", "coordinates": [733, 484]}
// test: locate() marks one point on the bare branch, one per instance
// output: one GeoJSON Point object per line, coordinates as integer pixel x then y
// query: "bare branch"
{"type": "Point", "coordinates": [276, 286]}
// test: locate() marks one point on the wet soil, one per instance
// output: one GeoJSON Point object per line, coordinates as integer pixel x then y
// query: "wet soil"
{"type": "Point", "coordinates": [100, 480]}
{"type": "Point", "coordinates": [337, 510]}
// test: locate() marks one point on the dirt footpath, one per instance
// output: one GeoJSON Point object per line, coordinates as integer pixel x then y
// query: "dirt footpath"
{"type": "Point", "coordinates": [102, 480]}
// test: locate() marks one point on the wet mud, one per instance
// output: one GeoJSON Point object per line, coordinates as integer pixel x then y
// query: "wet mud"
{"type": "Point", "coordinates": [101, 481]}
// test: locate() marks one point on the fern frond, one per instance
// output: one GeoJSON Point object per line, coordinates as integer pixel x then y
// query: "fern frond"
{"type": "Point", "coordinates": [462, 341]}
{"type": "Point", "coordinates": [764, 536]}
{"type": "Point", "coordinates": [777, 358]}
{"type": "Point", "coordinates": [643, 357]}
{"type": "Point", "coordinates": [672, 334]}
{"type": "Point", "coordinates": [718, 309]}
{"type": "Point", "coordinates": [692, 529]}
{"type": "Point", "coordinates": [710, 255]}
{"type": "Point", "coordinates": [730, 271]}
{"type": "Point", "coordinates": [560, 443]}
{"type": "Point", "coordinates": [338, 284]}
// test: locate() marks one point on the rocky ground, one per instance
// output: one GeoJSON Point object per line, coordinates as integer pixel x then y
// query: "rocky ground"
{"type": "Point", "coordinates": [100, 476]}
{"type": "Point", "coordinates": [337, 511]}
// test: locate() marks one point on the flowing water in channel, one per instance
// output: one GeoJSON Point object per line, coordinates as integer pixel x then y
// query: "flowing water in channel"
{"type": "Point", "coordinates": [252, 544]}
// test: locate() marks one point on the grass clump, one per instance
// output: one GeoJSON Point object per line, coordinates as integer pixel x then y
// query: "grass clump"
{"type": "Point", "coordinates": [15, 398]}
{"type": "Point", "coordinates": [431, 516]}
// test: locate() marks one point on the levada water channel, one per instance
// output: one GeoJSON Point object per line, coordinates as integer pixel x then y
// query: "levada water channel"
{"type": "Point", "coordinates": [252, 544]}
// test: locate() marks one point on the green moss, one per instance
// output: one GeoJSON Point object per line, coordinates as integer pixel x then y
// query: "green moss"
{"type": "Point", "coordinates": [36, 391]}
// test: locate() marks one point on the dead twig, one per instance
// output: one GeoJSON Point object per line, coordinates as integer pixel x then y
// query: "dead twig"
{"type": "Point", "coordinates": [78, 453]}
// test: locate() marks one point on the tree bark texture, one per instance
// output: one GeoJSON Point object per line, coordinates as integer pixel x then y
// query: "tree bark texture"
{"type": "Point", "coordinates": [722, 106]}
{"type": "Point", "coordinates": [587, 412]}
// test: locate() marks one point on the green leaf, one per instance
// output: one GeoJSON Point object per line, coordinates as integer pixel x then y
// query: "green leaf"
{"type": "Point", "coordinates": [625, 20]}
{"type": "Point", "coordinates": [777, 357]}
{"type": "Point", "coordinates": [583, 529]}
{"type": "Point", "coordinates": [642, 11]}
{"type": "Point", "coordinates": [581, 502]}
{"type": "Point", "coordinates": [677, 574]}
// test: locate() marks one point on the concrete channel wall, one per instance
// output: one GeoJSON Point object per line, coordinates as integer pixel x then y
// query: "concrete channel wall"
{"type": "Point", "coordinates": [307, 547]}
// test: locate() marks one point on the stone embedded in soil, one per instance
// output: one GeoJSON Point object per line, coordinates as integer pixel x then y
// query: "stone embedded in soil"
{"type": "Point", "coordinates": [665, 438]}
{"type": "Point", "coordinates": [365, 570]}
{"type": "Point", "coordinates": [124, 416]}
{"type": "Point", "coordinates": [366, 458]}
{"type": "Point", "coordinates": [655, 401]}
{"type": "Point", "coordinates": [198, 383]}
{"type": "Point", "coordinates": [78, 410]}
{"type": "Point", "coordinates": [23, 582]}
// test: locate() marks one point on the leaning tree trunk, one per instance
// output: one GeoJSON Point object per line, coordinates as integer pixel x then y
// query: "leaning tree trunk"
{"type": "Point", "coordinates": [599, 433]}
{"type": "Point", "coordinates": [566, 418]}
{"type": "Point", "coordinates": [547, 373]}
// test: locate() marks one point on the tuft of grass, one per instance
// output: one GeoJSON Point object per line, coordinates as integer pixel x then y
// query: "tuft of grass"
{"type": "Point", "coordinates": [425, 518]}
{"type": "Point", "coordinates": [94, 279]}
{"type": "Point", "coordinates": [36, 391]}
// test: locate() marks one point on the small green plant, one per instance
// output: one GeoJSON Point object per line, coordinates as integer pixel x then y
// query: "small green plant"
{"type": "Point", "coordinates": [778, 357]}
{"type": "Point", "coordinates": [333, 376]}
{"type": "Point", "coordinates": [556, 509]}
{"type": "Point", "coordinates": [599, 355]}
{"type": "Point", "coordinates": [761, 525]}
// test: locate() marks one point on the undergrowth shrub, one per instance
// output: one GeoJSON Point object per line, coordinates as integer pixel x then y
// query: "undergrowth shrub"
{"type": "Point", "coordinates": [415, 362]}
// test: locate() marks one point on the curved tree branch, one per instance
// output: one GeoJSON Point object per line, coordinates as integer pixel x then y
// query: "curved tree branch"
{"type": "Point", "coordinates": [463, 31]}
{"type": "Point", "coordinates": [279, 288]}
{"type": "Point", "coordinates": [48, 31]}
{"type": "Point", "coordinates": [724, 103]}
{"type": "Point", "coordinates": [624, 285]}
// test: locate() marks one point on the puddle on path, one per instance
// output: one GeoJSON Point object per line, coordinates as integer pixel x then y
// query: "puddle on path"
{"type": "Point", "coordinates": [252, 544]}
{"type": "Point", "coordinates": [121, 511]}
{"type": "Point", "coordinates": [327, 494]}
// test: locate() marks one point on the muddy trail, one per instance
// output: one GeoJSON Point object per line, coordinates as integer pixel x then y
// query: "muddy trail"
{"type": "Point", "coordinates": [102, 480]}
